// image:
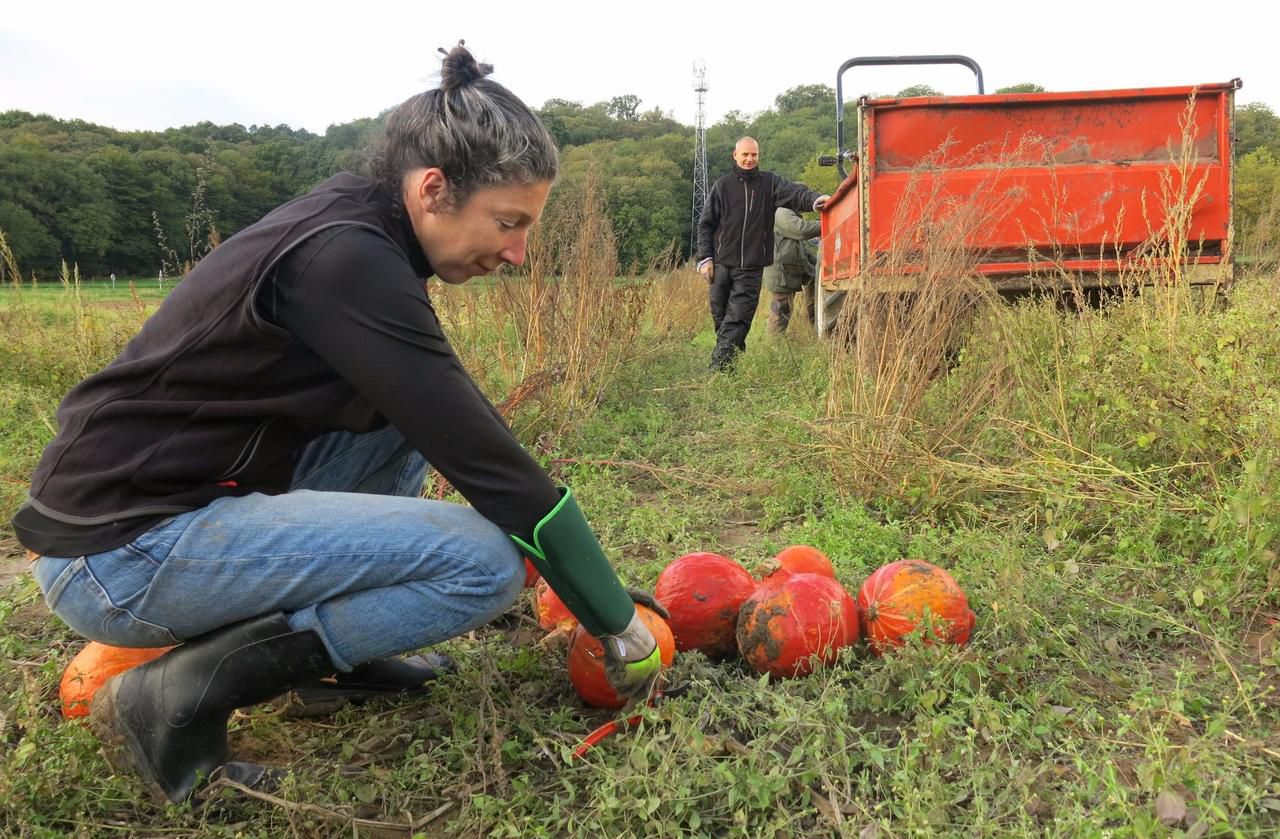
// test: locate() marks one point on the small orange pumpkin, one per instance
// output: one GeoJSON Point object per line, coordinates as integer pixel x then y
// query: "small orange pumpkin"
{"type": "Point", "coordinates": [586, 660]}
{"type": "Point", "coordinates": [896, 597]}
{"type": "Point", "coordinates": [92, 668]}
{"type": "Point", "coordinates": [795, 623]}
{"type": "Point", "coordinates": [799, 559]}
{"type": "Point", "coordinates": [550, 610]}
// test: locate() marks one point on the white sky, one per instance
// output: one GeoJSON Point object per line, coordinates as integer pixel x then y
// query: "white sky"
{"type": "Point", "coordinates": [148, 65]}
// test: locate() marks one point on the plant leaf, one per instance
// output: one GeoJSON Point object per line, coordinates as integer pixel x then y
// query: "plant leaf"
{"type": "Point", "coordinates": [1170, 807]}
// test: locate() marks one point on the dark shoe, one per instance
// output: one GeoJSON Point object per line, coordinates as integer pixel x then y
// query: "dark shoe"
{"type": "Point", "coordinates": [381, 677]}
{"type": "Point", "coordinates": [722, 365]}
{"type": "Point", "coordinates": [168, 718]}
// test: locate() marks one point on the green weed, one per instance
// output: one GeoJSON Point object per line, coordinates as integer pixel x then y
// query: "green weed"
{"type": "Point", "coordinates": [1122, 680]}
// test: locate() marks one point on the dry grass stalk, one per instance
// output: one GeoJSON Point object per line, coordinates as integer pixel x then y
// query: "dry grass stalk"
{"type": "Point", "coordinates": [570, 310]}
{"type": "Point", "coordinates": [1160, 265]}
{"type": "Point", "coordinates": [895, 417]}
{"type": "Point", "coordinates": [555, 334]}
{"type": "Point", "coordinates": [677, 302]}
{"type": "Point", "coordinates": [909, 316]}
{"type": "Point", "coordinates": [8, 263]}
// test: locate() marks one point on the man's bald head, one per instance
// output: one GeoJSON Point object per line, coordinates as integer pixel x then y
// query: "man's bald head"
{"type": "Point", "coordinates": [746, 153]}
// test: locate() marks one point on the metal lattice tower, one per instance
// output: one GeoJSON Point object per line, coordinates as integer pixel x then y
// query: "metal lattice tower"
{"type": "Point", "coordinates": [699, 148]}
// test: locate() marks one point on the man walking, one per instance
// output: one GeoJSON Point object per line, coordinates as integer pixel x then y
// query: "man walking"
{"type": "Point", "coordinates": [735, 243]}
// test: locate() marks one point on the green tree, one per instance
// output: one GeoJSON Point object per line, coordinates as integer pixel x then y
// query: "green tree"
{"type": "Point", "coordinates": [65, 197]}
{"type": "Point", "coordinates": [1257, 127]}
{"type": "Point", "coordinates": [917, 90]}
{"type": "Point", "coordinates": [806, 96]}
{"type": "Point", "coordinates": [131, 242]}
{"type": "Point", "coordinates": [648, 191]}
{"type": "Point", "coordinates": [571, 124]}
{"type": "Point", "coordinates": [1257, 184]}
{"type": "Point", "coordinates": [821, 179]}
{"type": "Point", "coordinates": [28, 238]}
{"type": "Point", "coordinates": [624, 107]}
{"type": "Point", "coordinates": [1023, 87]}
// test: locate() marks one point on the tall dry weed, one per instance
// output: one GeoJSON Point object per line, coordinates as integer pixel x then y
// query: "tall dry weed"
{"type": "Point", "coordinates": [677, 303]}
{"type": "Point", "coordinates": [54, 340]}
{"type": "Point", "coordinates": [547, 339]}
{"type": "Point", "coordinates": [574, 318]}
{"type": "Point", "coordinates": [900, 329]}
{"type": "Point", "coordinates": [1161, 266]}
{"type": "Point", "coordinates": [946, 395]}
{"type": "Point", "coordinates": [9, 272]}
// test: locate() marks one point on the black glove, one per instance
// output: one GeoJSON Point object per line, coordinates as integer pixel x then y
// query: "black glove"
{"type": "Point", "coordinates": [647, 600]}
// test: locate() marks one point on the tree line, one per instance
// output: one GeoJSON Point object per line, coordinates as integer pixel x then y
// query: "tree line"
{"type": "Point", "coordinates": [136, 203]}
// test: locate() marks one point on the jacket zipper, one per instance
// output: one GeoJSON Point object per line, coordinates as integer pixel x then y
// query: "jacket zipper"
{"type": "Point", "coordinates": [742, 240]}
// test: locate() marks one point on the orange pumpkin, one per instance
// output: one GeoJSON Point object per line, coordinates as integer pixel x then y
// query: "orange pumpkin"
{"type": "Point", "coordinates": [531, 575]}
{"type": "Point", "coordinates": [799, 559]}
{"type": "Point", "coordinates": [550, 610]}
{"type": "Point", "coordinates": [92, 668]}
{"type": "Point", "coordinates": [794, 623]}
{"type": "Point", "coordinates": [896, 598]}
{"type": "Point", "coordinates": [703, 593]}
{"type": "Point", "coordinates": [586, 660]}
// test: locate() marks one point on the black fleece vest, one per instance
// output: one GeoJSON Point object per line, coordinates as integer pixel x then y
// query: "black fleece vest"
{"type": "Point", "coordinates": [208, 399]}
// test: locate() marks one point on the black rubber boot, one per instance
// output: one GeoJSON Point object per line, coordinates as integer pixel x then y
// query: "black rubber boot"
{"type": "Point", "coordinates": [722, 360]}
{"type": "Point", "coordinates": [168, 718]}
{"type": "Point", "coordinates": [378, 678]}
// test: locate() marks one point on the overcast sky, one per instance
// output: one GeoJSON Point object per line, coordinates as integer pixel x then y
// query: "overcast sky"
{"type": "Point", "coordinates": [139, 65]}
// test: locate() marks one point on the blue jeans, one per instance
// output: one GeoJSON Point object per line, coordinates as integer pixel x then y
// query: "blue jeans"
{"type": "Point", "coordinates": [350, 552]}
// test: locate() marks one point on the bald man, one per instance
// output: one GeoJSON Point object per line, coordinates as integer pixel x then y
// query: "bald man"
{"type": "Point", "coordinates": [735, 243]}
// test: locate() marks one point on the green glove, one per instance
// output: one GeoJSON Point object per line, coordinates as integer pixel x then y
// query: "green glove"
{"type": "Point", "coordinates": [567, 553]}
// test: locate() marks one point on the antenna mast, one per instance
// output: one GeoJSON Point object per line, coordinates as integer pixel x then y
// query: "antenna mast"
{"type": "Point", "coordinates": [699, 148]}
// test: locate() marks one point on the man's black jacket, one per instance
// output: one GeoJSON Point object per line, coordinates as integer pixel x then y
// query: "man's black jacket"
{"type": "Point", "coordinates": [736, 228]}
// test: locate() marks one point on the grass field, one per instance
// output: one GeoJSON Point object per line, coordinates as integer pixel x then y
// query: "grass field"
{"type": "Point", "coordinates": [124, 290]}
{"type": "Point", "coordinates": [1103, 483]}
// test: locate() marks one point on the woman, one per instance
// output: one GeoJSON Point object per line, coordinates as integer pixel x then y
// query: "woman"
{"type": "Point", "coordinates": [243, 479]}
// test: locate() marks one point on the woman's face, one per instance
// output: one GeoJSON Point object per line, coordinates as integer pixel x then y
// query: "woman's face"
{"type": "Point", "coordinates": [491, 228]}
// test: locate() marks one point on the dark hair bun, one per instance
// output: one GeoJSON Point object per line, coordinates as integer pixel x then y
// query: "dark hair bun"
{"type": "Point", "coordinates": [460, 69]}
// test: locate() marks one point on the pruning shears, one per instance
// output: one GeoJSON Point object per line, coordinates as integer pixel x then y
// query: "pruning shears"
{"type": "Point", "coordinates": [614, 726]}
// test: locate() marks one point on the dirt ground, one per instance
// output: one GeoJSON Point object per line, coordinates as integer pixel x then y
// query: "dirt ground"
{"type": "Point", "coordinates": [13, 561]}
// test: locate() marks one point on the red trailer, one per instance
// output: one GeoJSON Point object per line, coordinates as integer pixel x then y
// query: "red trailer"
{"type": "Point", "coordinates": [1068, 185]}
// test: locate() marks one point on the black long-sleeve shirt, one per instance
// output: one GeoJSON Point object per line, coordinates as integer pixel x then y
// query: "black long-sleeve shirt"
{"type": "Point", "coordinates": [314, 319]}
{"type": "Point", "coordinates": [387, 342]}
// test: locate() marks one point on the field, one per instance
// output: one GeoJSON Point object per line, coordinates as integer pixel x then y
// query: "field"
{"type": "Point", "coordinates": [1103, 482]}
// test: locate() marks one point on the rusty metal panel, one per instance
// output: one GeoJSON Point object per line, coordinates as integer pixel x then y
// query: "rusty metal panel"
{"type": "Point", "coordinates": [1058, 177]}
{"type": "Point", "coordinates": [1086, 209]}
{"type": "Point", "coordinates": [842, 231]}
{"type": "Point", "coordinates": [1052, 130]}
